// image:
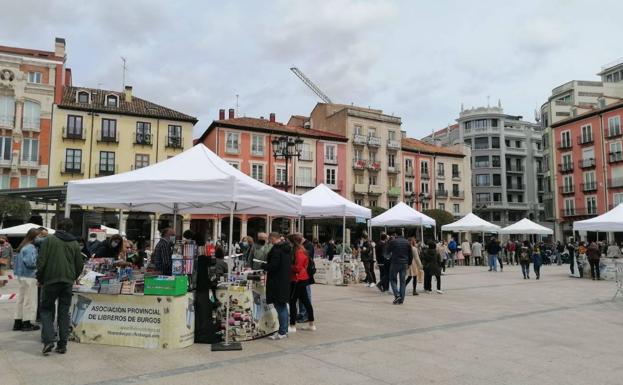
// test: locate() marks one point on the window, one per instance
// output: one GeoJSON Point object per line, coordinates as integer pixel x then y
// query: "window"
{"type": "Point", "coordinates": [257, 145]}
{"type": "Point", "coordinates": [478, 123]}
{"type": "Point", "coordinates": [257, 172]}
{"type": "Point", "coordinates": [591, 205]}
{"type": "Point", "coordinates": [235, 165]}
{"type": "Point", "coordinates": [497, 197]}
{"type": "Point", "coordinates": [34, 77]}
{"type": "Point", "coordinates": [456, 209]}
{"type": "Point", "coordinates": [518, 144]}
{"type": "Point", "coordinates": [495, 142]}
{"type": "Point", "coordinates": [440, 169]}
{"type": "Point", "coordinates": [588, 154]}
{"type": "Point", "coordinates": [306, 153]}
{"type": "Point", "coordinates": [482, 161]}
{"type": "Point", "coordinates": [358, 178]}
{"type": "Point", "coordinates": [359, 202]}
{"type": "Point", "coordinates": [174, 136]}
{"type": "Point", "coordinates": [497, 179]}
{"type": "Point", "coordinates": [30, 150]}
{"type": "Point", "coordinates": [567, 162]}
{"type": "Point", "coordinates": [141, 160]}
{"type": "Point", "coordinates": [83, 97]}
{"type": "Point", "coordinates": [455, 171]}
{"type": "Point", "coordinates": [391, 182]}
{"type": "Point", "coordinates": [496, 216]}
{"type": "Point", "coordinates": [495, 161]}
{"type": "Point", "coordinates": [587, 133]}
{"type": "Point", "coordinates": [614, 126]}
{"type": "Point", "coordinates": [73, 160]}
{"type": "Point", "coordinates": [7, 110]}
{"type": "Point", "coordinates": [424, 188]}
{"type": "Point", "coordinates": [409, 186]}
{"type": "Point", "coordinates": [615, 149]}
{"type": "Point", "coordinates": [280, 175]}
{"type": "Point", "coordinates": [112, 100]}
{"type": "Point", "coordinates": [468, 142]}
{"type": "Point", "coordinates": [482, 197]}
{"type": "Point", "coordinates": [424, 168]}
{"type": "Point", "coordinates": [32, 115]}
{"type": "Point", "coordinates": [143, 133]}
{"type": "Point", "coordinates": [5, 148]}
{"type": "Point", "coordinates": [441, 206]}
{"type": "Point", "coordinates": [565, 139]}
{"type": "Point", "coordinates": [372, 155]}
{"type": "Point", "coordinates": [391, 160]}
{"type": "Point", "coordinates": [371, 132]}
{"type": "Point", "coordinates": [392, 203]}
{"type": "Point", "coordinates": [618, 198]}
{"type": "Point", "coordinates": [424, 205]}
{"type": "Point", "coordinates": [330, 176]}
{"type": "Point", "coordinates": [409, 165]}
{"type": "Point", "coordinates": [391, 135]}
{"type": "Point", "coordinates": [441, 186]}
{"type": "Point", "coordinates": [372, 180]}
{"type": "Point", "coordinates": [358, 155]}
{"type": "Point", "coordinates": [358, 130]}
{"type": "Point", "coordinates": [330, 152]}
{"type": "Point", "coordinates": [107, 163]}
{"type": "Point", "coordinates": [482, 180]}
{"type": "Point", "coordinates": [232, 142]}
{"type": "Point", "coordinates": [590, 182]}
{"type": "Point", "coordinates": [74, 126]}
{"type": "Point", "coordinates": [304, 176]}
{"type": "Point", "coordinates": [455, 189]}
{"type": "Point", "coordinates": [109, 129]}
{"type": "Point", "coordinates": [481, 143]}
{"type": "Point", "coordinates": [372, 203]}
{"type": "Point", "coordinates": [567, 183]}
{"type": "Point", "coordinates": [26, 181]}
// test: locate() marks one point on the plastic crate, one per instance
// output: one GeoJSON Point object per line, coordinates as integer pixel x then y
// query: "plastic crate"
{"type": "Point", "coordinates": [164, 285]}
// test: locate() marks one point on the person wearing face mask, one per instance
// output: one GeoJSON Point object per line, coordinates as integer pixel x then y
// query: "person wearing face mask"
{"type": "Point", "coordinates": [110, 248]}
{"type": "Point", "coordinates": [161, 257]}
{"type": "Point", "coordinates": [93, 243]}
{"type": "Point", "coordinates": [260, 250]}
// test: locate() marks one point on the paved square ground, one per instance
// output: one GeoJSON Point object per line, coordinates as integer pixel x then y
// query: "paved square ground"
{"type": "Point", "coordinates": [488, 328]}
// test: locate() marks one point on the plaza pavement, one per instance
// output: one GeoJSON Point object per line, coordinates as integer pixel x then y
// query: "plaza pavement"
{"type": "Point", "coordinates": [488, 328]}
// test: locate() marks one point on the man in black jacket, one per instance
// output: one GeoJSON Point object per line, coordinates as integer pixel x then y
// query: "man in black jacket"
{"type": "Point", "coordinates": [278, 269]}
{"type": "Point", "coordinates": [380, 249]}
{"type": "Point", "coordinates": [400, 257]}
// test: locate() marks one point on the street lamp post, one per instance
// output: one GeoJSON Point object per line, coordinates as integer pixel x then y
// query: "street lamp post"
{"type": "Point", "coordinates": [420, 199]}
{"type": "Point", "coordinates": [286, 148]}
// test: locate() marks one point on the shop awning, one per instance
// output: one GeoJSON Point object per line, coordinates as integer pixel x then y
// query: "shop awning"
{"type": "Point", "coordinates": [324, 202]}
{"type": "Point", "coordinates": [471, 223]}
{"type": "Point", "coordinates": [402, 215]}
{"type": "Point", "coordinates": [526, 226]}
{"type": "Point", "coordinates": [610, 221]}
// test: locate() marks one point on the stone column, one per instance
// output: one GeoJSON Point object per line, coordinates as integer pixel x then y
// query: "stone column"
{"type": "Point", "coordinates": [347, 237]}
{"type": "Point", "coordinates": [123, 221]}
{"type": "Point", "coordinates": [153, 218]}
{"type": "Point", "coordinates": [315, 231]}
{"type": "Point", "coordinates": [215, 229]}
{"type": "Point", "coordinates": [292, 225]}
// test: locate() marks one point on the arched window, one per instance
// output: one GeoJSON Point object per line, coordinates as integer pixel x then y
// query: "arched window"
{"type": "Point", "coordinates": [7, 110]}
{"type": "Point", "coordinates": [83, 97]}
{"type": "Point", "coordinates": [32, 115]}
{"type": "Point", "coordinates": [112, 100]}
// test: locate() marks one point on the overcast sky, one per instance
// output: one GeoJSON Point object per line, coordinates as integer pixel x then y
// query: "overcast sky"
{"type": "Point", "coordinates": [415, 59]}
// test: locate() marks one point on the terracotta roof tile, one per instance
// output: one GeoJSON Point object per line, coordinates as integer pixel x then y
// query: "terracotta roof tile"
{"type": "Point", "coordinates": [416, 145]}
{"type": "Point", "coordinates": [137, 107]}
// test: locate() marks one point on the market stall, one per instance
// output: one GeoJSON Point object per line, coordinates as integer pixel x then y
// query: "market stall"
{"type": "Point", "coordinates": [402, 215]}
{"type": "Point", "coordinates": [196, 181]}
{"type": "Point", "coordinates": [526, 226]}
{"type": "Point", "coordinates": [21, 230]}
{"type": "Point", "coordinates": [471, 223]}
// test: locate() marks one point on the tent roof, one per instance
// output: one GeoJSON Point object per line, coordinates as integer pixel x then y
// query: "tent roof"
{"type": "Point", "coordinates": [195, 181]}
{"type": "Point", "coordinates": [471, 222]}
{"type": "Point", "coordinates": [610, 221]}
{"type": "Point", "coordinates": [21, 230]}
{"type": "Point", "coordinates": [526, 226]}
{"type": "Point", "coordinates": [402, 215]}
{"type": "Point", "coordinates": [324, 202]}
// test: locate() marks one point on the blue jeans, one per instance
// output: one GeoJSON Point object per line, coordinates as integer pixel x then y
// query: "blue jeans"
{"type": "Point", "coordinates": [302, 310]}
{"type": "Point", "coordinates": [398, 271]}
{"type": "Point", "coordinates": [283, 316]}
{"type": "Point", "coordinates": [525, 269]}
{"type": "Point", "coordinates": [492, 259]}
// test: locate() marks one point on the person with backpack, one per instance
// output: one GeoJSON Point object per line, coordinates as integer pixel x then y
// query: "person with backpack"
{"type": "Point", "coordinates": [452, 248]}
{"type": "Point", "coordinates": [524, 259]}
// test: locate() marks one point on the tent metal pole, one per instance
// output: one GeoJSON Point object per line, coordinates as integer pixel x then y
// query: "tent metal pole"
{"type": "Point", "coordinates": [343, 237]}
{"type": "Point", "coordinates": [174, 219]}
{"type": "Point", "coordinates": [67, 210]}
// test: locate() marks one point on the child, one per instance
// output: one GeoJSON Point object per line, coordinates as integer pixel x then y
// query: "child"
{"type": "Point", "coordinates": [537, 261]}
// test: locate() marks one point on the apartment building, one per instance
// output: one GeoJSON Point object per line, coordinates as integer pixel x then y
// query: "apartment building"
{"type": "Point", "coordinates": [589, 163]}
{"type": "Point", "coordinates": [506, 163]}
{"type": "Point", "coordinates": [374, 151]}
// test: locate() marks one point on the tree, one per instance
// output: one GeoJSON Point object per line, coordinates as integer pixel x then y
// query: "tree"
{"type": "Point", "coordinates": [442, 217]}
{"type": "Point", "coordinates": [376, 210]}
{"type": "Point", "coordinates": [15, 208]}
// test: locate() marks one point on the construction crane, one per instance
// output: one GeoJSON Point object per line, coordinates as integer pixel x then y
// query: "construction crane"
{"type": "Point", "coordinates": [311, 85]}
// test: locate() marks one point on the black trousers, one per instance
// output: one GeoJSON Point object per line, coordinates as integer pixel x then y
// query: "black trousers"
{"type": "Point", "coordinates": [414, 278]}
{"type": "Point", "coordinates": [370, 275]}
{"type": "Point", "coordinates": [594, 268]}
{"type": "Point", "coordinates": [49, 294]}
{"type": "Point", "coordinates": [428, 279]}
{"type": "Point", "coordinates": [298, 292]}
{"type": "Point", "coordinates": [384, 272]}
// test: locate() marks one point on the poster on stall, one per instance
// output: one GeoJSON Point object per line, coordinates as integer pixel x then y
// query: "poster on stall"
{"type": "Point", "coordinates": [135, 321]}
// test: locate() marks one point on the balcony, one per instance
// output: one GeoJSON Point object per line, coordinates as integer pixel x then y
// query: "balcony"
{"type": "Point", "coordinates": [305, 183]}
{"type": "Point", "coordinates": [409, 172]}
{"type": "Point", "coordinates": [177, 142]}
{"type": "Point", "coordinates": [74, 133]}
{"type": "Point", "coordinates": [441, 193]}
{"type": "Point", "coordinates": [360, 140]}
{"type": "Point", "coordinates": [393, 144]}
{"type": "Point", "coordinates": [567, 190]}
{"type": "Point", "coordinates": [72, 168]}
{"type": "Point", "coordinates": [481, 164]}
{"type": "Point", "coordinates": [108, 137]}
{"type": "Point", "coordinates": [516, 150]}
{"type": "Point", "coordinates": [395, 169]}
{"type": "Point", "coordinates": [360, 188]}
{"type": "Point", "coordinates": [586, 163]}
{"type": "Point", "coordinates": [565, 167]}
{"type": "Point", "coordinates": [7, 121]}
{"type": "Point", "coordinates": [29, 163]}
{"type": "Point", "coordinates": [578, 212]}
{"type": "Point", "coordinates": [585, 139]}
{"type": "Point", "coordinates": [517, 205]}
{"type": "Point", "coordinates": [456, 194]}
{"type": "Point", "coordinates": [589, 187]}
{"type": "Point", "coordinates": [394, 191]}
{"type": "Point", "coordinates": [441, 173]}
{"type": "Point", "coordinates": [516, 186]}
{"type": "Point", "coordinates": [613, 132]}
{"type": "Point", "coordinates": [256, 153]}
{"type": "Point", "coordinates": [330, 160]}
{"type": "Point", "coordinates": [306, 156]}
{"type": "Point", "coordinates": [564, 145]}
{"type": "Point", "coordinates": [615, 157]}
{"type": "Point", "coordinates": [281, 184]}
{"type": "Point", "coordinates": [515, 168]}
{"type": "Point", "coordinates": [142, 139]}
{"type": "Point", "coordinates": [408, 193]}
{"type": "Point", "coordinates": [374, 166]}
{"type": "Point", "coordinates": [374, 141]}
{"type": "Point", "coordinates": [456, 176]}
{"type": "Point", "coordinates": [31, 125]}
{"type": "Point", "coordinates": [615, 183]}
{"type": "Point", "coordinates": [104, 169]}
{"type": "Point", "coordinates": [375, 189]}
{"type": "Point", "coordinates": [424, 175]}
{"type": "Point", "coordinates": [359, 164]}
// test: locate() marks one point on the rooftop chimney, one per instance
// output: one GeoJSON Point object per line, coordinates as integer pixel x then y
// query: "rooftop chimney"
{"type": "Point", "coordinates": [221, 114]}
{"type": "Point", "coordinates": [272, 117]}
{"type": "Point", "coordinates": [59, 47]}
{"type": "Point", "coordinates": [128, 94]}
{"type": "Point", "coordinates": [231, 113]}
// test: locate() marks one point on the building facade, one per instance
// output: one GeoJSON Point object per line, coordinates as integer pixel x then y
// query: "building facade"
{"type": "Point", "coordinates": [506, 163]}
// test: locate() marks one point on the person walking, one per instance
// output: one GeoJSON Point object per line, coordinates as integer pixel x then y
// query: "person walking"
{"type": "Point", "coordinates": [25, 268]}
{"type": "Point", "coordinates": [330, 249]}
{"type": "Point", "coordinates": [415, 268]}
{"type": "Point", "coordinates": [524, 257]}
{"type": "Point", "coordinates": [537, 261]}
{"type": "Point", "coordinates": [493, 249]}
{"type": "Point", "coordinates": [593, 253]}
{"type": "Point", "coordinates": [59, 265]}
{"type": "Point", "coordinates": [380, 250]}
{"type": "Point", "coordinates": [466, 249]}
{"type": "Point", "coordinates": [400, 257]}
{"type": "Point", "coordinates": [452, 249]}
{"type": "Point", "coordinates": [299, 279]}
{"type": "Point", "coordinates": [477, 253]}
{"type": "Point", "coordinates": [367, 257]}
{"type": "Point", "coordinates": [581, 258]}
{"type": "Point", "coordinates": [278, 271]}
{"type": "Point", "coordinates": [560, 248]}
{"type": "Point", "coordinates": [511, 249]}
{"type": "Point", "coordinates": [430, 263]}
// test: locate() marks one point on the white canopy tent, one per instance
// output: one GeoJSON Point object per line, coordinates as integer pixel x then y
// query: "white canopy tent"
{"type": "Point", "coordinates": [403, 215]}
{"type": "Point", "coordinates": [322, 202]}
{"type": "Point", "coordinates": [526, 226]}
{"type": "Point", "coordinates": [471, 223]}
{"type": "Point", "coordinates": [21, 230]}
{"type": "Point", "coordinates": [109, 230]}
{"type": "Point", "coordinates": [608, 222]}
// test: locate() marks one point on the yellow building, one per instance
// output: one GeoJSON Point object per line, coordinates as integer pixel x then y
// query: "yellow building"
{"type": "Point", "coordinates": [98, 132]}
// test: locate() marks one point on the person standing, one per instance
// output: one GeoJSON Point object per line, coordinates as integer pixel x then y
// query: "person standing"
{"type": "Point", "coordinates": [367, 257]}
{"type": "Point", "coordinates": [59, 265]}
{"type": "Point", "coordinates": [25, 268]}
{"type": "Point", "coordinates": [380, 249]}
{"type": "Point", "coordinates": [524, 259]}
{"type": "Point", "coordinates": [477, 252]}
{"type": "Point", "coordinates": [466, 249]}
{"type": "Point", "coordinates": [278, 270]}
{"type": "Point", "coordinates": [163, 252]}
{"type": "Point", "coordinates": [593, 253]}
{"type": "Point", "coordinates": [299, 279]}
{"type": "Point", "coordinates": [452, 249]}
{"type": "Point", "coordinates": [511, 249]}
{"type": "Point", "coordinates": [311, 270]}
{"type": "Point", "coordinates": [330, 250]}
{"type": "Point", "coordinates": [537, 261]}
{"type": "Point", "coordinates": [430, 262]}
{"type": "Point", "coordinates": [581, 257]}
{"type": "Point", "coordinates": [260, 251]}
{"type": "Point", "coordinates": [400, 257]}
{"type": "Point", "coordinates": [110, 248]}
{"type": "Point", "coordinates": [493, 249]}
{"type": "Point", "coordinates": [415, 268]}
{"type": "Point", "coordinates": [559, 250]}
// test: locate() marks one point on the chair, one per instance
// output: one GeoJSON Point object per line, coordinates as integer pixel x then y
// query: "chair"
{"type": "Point", "coordinates": [618, 267]}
